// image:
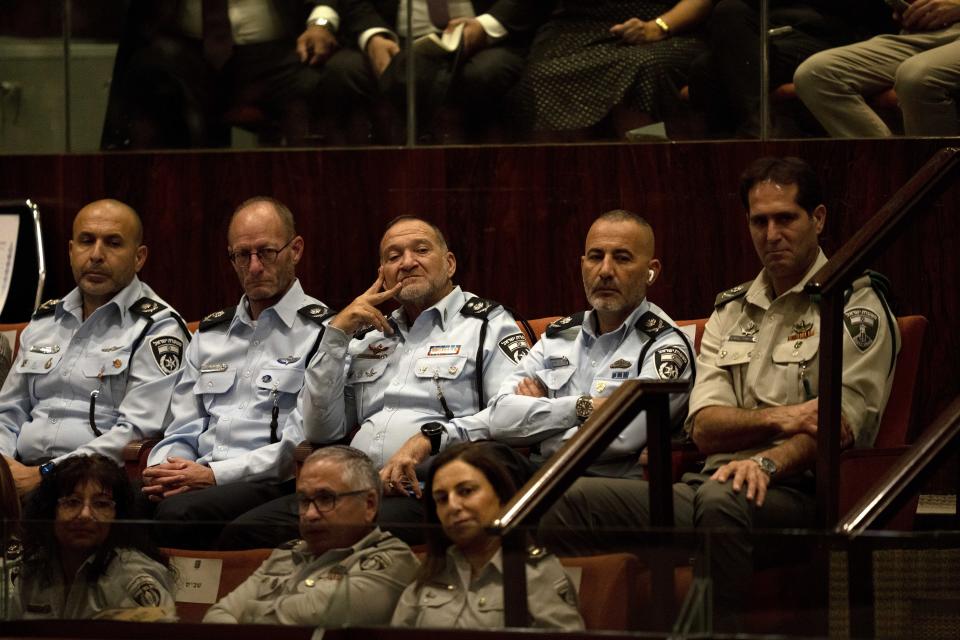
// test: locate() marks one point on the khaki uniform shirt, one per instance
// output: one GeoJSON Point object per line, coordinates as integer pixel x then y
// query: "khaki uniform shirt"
{"type": "Point", "coordinates": [456, 599]}
{"type": "Point", "coordinates": [758, 351]}
{"type": "Point", "coordinates": [131, 580]}
{"type": "Point", "coordinates": [356, 585]}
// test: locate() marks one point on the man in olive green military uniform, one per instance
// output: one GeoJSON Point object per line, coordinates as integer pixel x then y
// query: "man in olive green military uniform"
{"type": "Point", "coordinates": [753, 409]}
{"type": "Point", "coordinates": [344, 570]}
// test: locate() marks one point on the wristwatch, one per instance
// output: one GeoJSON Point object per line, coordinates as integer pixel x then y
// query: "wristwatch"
{"type": "Point", "coordinates": [766, 465]}
{"type": "Point", "coordinates": [47, 468]}
{"type": "Point", "coordinates": [321, 22]}
{"type": "Point", "coordinates": [660, 22]}
{"type": "Point", "coordinates": [584, 407]}
{"type": "Point", "coordinates": [433, 431]}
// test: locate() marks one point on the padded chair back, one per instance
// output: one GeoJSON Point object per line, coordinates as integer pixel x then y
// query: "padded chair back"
{"type": "Point", "coordinates": [539, 325]}
{"type": "Point", "coordinates": [13, 331]}
{"type": "Point", "coordinates": [895, 424]}
{"type": "Point", "coordinates": [699, 323]}
{"type": "Point", "coordinates": [608, 587]}
{"type": "Point", "coordinates": [237, 567]}
{"type": "Point", "coordinates": [29, 265]}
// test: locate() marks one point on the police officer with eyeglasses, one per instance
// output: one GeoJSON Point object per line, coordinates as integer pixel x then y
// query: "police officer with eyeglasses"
{"type": "Point", "coordinates": [344, 570]}
{"type": "Point", "coordinates": [234, 416]}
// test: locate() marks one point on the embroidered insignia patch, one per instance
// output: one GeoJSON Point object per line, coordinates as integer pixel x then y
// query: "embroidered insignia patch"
{"type": "Point", "coordinates": [144, 592]}
{"type": "Point", "coordinates": [801, 331]}
{"type": "Point", "coordinates": [671, 362]}
{"type": "Point", "coordinates": [514, 347]}
{"type": "Point", "coordinates": [620, 364]}
{"type": "Point", "coordinates": [167, 352]}
{"type": "Point", "coordinates": [862, 325]}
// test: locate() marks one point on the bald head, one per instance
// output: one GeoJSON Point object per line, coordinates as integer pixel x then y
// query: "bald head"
{"type": "Point", "coordinates": [119, 210]}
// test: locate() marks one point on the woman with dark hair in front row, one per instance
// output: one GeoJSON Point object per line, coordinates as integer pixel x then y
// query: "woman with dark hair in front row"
{"type": "Point", "coordinates": [460, 583]}
{"type": "Point", "coordinates": [77, 561]}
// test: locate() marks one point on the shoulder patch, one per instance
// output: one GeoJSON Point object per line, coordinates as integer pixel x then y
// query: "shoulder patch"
{"type": "Point", "coordinates": [671, 361]}
{"type": "Point", "coordinates": [732, 294]}
{"type": "Point", "coordinates": [46, 308]}
{"type": "Point", "coordinates": [478, 307]}
{"type": "Point", "coordinates": [564, 323]}
{"type": "Point", "coordinates": [316, 312]}
{"type": "Point", "coordinates": [215, 318]}
{"type": "Point", "coordinates": [145, 591]}
{"type": "Point", "coordinates": [167, 353]}
{"type": "Point", "coordinates": [375, 562]}
{"type": "Point", "coordinates": [652, 324]}
{"type": "Point", "coordinates": [147, 306]}
{"type": "Point", "coordinates": [514, 347]}
{"type": "Point", "coordinates": [862, 324]}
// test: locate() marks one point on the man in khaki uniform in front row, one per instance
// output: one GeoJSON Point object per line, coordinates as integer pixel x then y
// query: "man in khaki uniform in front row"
{"type": "Point", "coordinates": [753, 409]}
{"type": "Point", "coordinates": [345, 570]}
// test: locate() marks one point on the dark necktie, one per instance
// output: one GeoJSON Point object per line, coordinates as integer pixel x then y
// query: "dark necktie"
{"type": "Point", "coordinates": [217, 34]}
{"type": "Point", "coordinates": [439, 13]}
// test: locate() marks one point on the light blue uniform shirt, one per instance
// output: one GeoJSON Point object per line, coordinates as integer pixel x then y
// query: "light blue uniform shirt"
{"type": "Point", "coordinates": [235, 372]}
{"type": "Point", "coordinates": [389, 384]}
{"type": "Point", "coordinates": [45, 401]}
{"type": "Point", "coordinates": [576, 361]}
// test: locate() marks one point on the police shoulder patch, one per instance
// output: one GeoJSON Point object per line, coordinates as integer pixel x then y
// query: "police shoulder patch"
{"type": "Point", "coordinates": [478, 307]}
{"type": "Point", "coordinates": [671, 361]}
{"type": "Point", "coordinates": [652, 324]}
{"type": "Point", "coordinates": [316, 312]}
{"type": "Point", "coordinates": [862, 324]}
{"type": "Point", "coordinates": [217, 317]}
{"type": "Point", "coordinates": [46, 308]}
{"type": "Point", "coordinates": [167, 352]}
{"type": "Point", "coordinates": [375, 562]}
{"type": "Point", "coordinates": [563, 324]}
{"type": "Point", "coordinates": [732, 294]}
{"type": "Point", "coordinates": [147, 306]}
{"type": "Point", "coordinates": [145, 591]}
{"type": "Point", "coordinates": [514, 347]}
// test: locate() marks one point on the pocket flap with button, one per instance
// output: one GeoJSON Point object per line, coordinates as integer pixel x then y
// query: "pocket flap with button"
{"type": "Point", "coordinates": [735, 350]}
{"type": "Point", "coordinates": [447, 367]}
{"type": "Point", "coordinates": [434, 595]}
{"type": "Point", "coordinates": [491, 601]}
{"type": "Point", "coordinates": [286, 379]}
{"type": "Point", "coordinates": [796, 351]}
{"type": "Point", "coordinates": [214, 382]}
{"type": "Point", "coordinates": [38, 363]}
{"type": "Point", "coordinates": [554, 379]}
{"type": "Point", "coordinates": [105, 365]}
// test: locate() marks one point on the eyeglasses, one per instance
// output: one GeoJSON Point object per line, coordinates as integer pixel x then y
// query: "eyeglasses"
{"type": "Point", "coordinates": [266, 255]}
{"type": "Point", "coordinates": [71, 506]}
{"type": "Point", "coordinates": [325, 500]}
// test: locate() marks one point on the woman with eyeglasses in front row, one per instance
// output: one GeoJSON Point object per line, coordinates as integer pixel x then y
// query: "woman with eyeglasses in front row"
{"type": "Point", "coordinates": [460, 583]}
{"type": "Point", "coordinates": [87, 565]}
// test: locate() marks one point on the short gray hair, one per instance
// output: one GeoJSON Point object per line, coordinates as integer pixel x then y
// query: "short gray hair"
{"type": "Point", "coordinates": [358, 469]}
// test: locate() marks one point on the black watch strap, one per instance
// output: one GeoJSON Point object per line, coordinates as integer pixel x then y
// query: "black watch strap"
{"type": "Point", "coordinates": [433, 431]}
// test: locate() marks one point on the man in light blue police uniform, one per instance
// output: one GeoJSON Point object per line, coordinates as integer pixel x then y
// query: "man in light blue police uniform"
{"type": "Point", "coordinates": [235, 416]}
{"type": "Point", "coordinates": [417, 379]}
{"type": "Point", "coordinates": [582, 359]}
{"type": "Point", "coordinates": [94, 369]}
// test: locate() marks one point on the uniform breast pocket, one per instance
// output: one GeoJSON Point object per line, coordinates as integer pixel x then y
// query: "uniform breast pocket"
{"type": "Point", "coordinates": [736, 350]}
{"type": "Point", "coordinates": [556, 379]}
{"type": "Point", "coordinates": [449, 373]}
{"type": "Point", "coordinates": [108, 373]}
{"type": "Point", "coordinates": [438, 606]}
{"type": "Point", "coordinates": [213, 385]}
{"type": "Point", "coordinates": [797, 358]}
{"type": "Point", "coordinates": [285, 381]}
{"type": "Point", "coordinates": [38, 363]}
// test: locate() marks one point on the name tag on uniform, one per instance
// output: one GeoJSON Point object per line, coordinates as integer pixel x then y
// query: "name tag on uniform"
{"type": "Point", "coordinates": [213, 368]}
{"type": "Point", "coordinates": [197, 579]}
{"type": "Point", "coordinates": [45, 349]}
{"type": "Point", "coordinates": [444, 350]}
{"type": "Point", "coordinates": [558, 361]}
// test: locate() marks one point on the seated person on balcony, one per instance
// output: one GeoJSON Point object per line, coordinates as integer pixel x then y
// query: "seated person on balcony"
{"type": "Point", "coordinates": [460, 584]}
{"type": "Point", "coordinates": [922, 63]}
{"type": "Point", "coordinates": [473, 81]}
{"type": "Point", "coordinates": [344, 570]}
{"type": "Point", "coordinates": [181, 65]}
{"type": "Point", "coordinates": [753, 409]}
{"type": "Point", "coordinates": [94, 369]}
{"type": "Point", "coordinates": [725, 81]}
{"type": "Point", "coordinates": [582, 359]}
{"type": "Point", "coordinates": [625, 58]}
{"type": "Point", "coordinates": [414, 380]}
{"type": "Point", "coordinates": [234, 419]}
{"type": "Point", "coordinates": [78, 561]}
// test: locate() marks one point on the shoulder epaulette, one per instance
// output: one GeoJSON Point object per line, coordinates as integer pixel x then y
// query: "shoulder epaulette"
{"type": "Point", "coordinates": [316, 312]}
{"type": "Point", "coordinates": [46, 308]}
{"type": "Point", "coordinates": [651, 324]}
{"type": "Point", "coordinates": [147, 307]}
{"type": "Point", "coordinates": [478, 307]}
{"type": "Point", "coordinates": [873, 279]}
{"type": "Point", "coordinates": [289, 544]}
{"type": "Point", "coordinates": [731, 294]}
{"type": "Point", "coordinates": [215, 318]}
{"type": "Point", "coordinates": [563, 324]}
{"type": "Point", "coordinates": [535, 553]}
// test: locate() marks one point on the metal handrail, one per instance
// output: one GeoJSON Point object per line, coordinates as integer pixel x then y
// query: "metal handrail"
{"type": "Point", "coordinates": [829, 284]}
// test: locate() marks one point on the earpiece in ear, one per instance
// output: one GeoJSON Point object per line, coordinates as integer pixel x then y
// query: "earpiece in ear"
{"type": "Point", "coordinates": [651, 274]}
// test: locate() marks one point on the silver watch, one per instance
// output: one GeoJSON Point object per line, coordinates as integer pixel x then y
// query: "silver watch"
{"type": "Point", "coordinates": [321, 22]}
{"type": "Point", "coordinates": [766, 465]}
{"type": "Point", "coordinates": [584, 407]}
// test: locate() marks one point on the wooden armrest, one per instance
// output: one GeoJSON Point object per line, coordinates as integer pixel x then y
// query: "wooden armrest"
{"type": "Point", "coordinates": [133, 450]}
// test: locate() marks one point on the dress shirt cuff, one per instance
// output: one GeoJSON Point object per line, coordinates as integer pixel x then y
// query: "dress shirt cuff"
{"type": "Point", "coordinates": [160, 454]}
{"type": "Point", "coordinates": [334, 342]}
{"type": "Point", "coordinates": [376, 31]}
{"type": "Point", "coordinates": [227, 471]}
{"type": "Point", "coordinates": [494, 30]}
{"type": "Point", "coordinates": [328, 14]}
